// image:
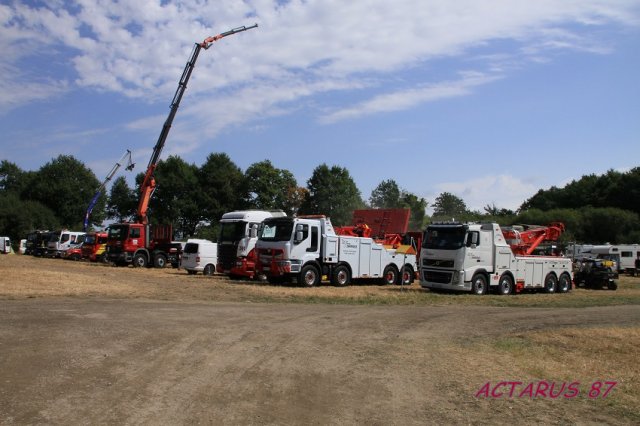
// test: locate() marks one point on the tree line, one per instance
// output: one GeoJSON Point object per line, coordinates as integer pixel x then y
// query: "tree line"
{"type": "Point", "coordinates": [595, 209]}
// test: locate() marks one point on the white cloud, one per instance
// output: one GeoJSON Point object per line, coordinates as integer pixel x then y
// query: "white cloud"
{"type": "Point", "coordinates": [138, 49]}
{"type": "Point", "coordinates": [505, 191]}
{"type": "Point", "coordinates": [408, 98]}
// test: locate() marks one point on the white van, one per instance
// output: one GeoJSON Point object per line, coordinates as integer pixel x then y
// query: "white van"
{"type": "Point", "coordinates": [199, 256]}
{"type": "Point", "coordinates": [5, 245]}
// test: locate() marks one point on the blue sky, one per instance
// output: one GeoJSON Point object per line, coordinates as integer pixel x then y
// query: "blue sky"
{"type": "Point", "coordinates": [488, 100]}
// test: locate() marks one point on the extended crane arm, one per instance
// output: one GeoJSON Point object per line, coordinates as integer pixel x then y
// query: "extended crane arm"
{"type": "Point", "coordinates": [525, 242]}
{"type": "Point", "coordinates": [149, 183]}
{"type": "Point", "coordinates": [112, 172]}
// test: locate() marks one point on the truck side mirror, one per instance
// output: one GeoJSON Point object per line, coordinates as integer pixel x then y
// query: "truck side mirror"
{"type": "Point", "coordinates": [298, 237]}
{"type": "Point", "coordinates": [253, 232]}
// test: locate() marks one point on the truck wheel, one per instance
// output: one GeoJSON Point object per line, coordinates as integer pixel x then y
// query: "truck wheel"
{"type": "Point", "coordinates": [612, 285]}
{"type": "Point", "coordinates": [564, 283]}
{"type": "Point", "coordinates": [191, 272]}
{"type": "Point", "coordinates": [506, 285]}
{"type": "Point", "coordinates": [550, 283]}
{"type": "Point", "coordinates": [159, 261]}
{"type": "Point", "coordinates": [140, 260]}
{"type": "Point", "coordinates": [407, 276]}
{"type": "Point", "coordinates": [208, 270]}
{"type": "Point", "coordinates": [391, 275]}
{"type": "Point", "coordinates": [341, 276]}
{"type": "Point", "coordinates": [309, 276]}
{"type": "Point", "coordinates": [479, 284]}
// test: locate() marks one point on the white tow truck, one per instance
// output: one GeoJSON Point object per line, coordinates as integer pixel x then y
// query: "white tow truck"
{"type": "Point", "coordinates": [483, 257]}
{"type": "Point", "coordinates": [306, 248]}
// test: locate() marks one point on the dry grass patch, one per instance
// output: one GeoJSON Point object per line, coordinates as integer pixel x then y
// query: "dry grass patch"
{"type": "Point", "coordinates": [558, 357]}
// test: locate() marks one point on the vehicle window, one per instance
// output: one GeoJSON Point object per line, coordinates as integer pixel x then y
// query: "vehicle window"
{"type": "Point", "coordinates": [191, 248]}
{"type": "Point", "coordinates": [473, 237]}
{"type": "Point", "coordinates": [134, 233]}
{"type": "Point", "coordinates": [314, 239]}
{"type": "Point", "coordinates": [626, 254]}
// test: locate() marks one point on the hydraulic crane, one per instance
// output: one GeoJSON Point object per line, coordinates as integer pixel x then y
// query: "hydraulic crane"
{"type": "Point", "coordinates": [526, 241]}
{"type": "Point", "coordinates": [149, 183]}
{"type": "Point", "coordinates": [112, 172]}
{"type": "Point", "coordinates": [139, 242]}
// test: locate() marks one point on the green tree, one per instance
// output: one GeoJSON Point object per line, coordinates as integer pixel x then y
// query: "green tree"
{"type": "Point", "coordinates": [12, 178]}
{"type": "Point", "coordinates": [267, 187]}
{"type": "Point", "coordinates": [221, 185]}
{"type": "Point", "coordinates": [123, 201]}
{"type": "Point", "coordinates": [418, 208]}
{"type": "Point", "coordinates": [386, 195]}
{"type": "Point", "coordinates": [66, 186]}
{"type": "Point", "coordinates": [332, 192]}
{"type": "Point", "coordinates": [448, 206]}
{"type": "Point", "coordinates": [294, 199]}
{"type": "Point", "coordinates": [176, 199]}
{"type": "Point", "coordinates": [19, 217]}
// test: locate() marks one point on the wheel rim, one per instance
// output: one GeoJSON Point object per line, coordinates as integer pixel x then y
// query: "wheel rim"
{"type": "Point", "coordinates": [390, 277]}
{"type": "Point", "coordinates": [310, 278]}
{"type": "Point", "coordinates": [505, 286]}
{"type": "Point", "coordinates": [406, 277]}
{"type": "Point", "coordinates": [342, 277]}
{"type": "Point", "coordinates": [551, 285]}
{"type": "Point", "coordinates": [479, 286]}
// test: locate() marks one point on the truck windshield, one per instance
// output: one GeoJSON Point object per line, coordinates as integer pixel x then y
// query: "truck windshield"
{"type": "Point", "coordinates": [118, 232]}
{"type": "Point", "coordinates": [232, 231]}
{"type": "Point", "coordinates": [444, 238]}
{"type": "Point", "coordinates": [276, 230]}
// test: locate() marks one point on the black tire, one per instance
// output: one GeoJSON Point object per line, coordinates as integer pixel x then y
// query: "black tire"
{"type": "Point", "coordinates": [140, 260]}
{"type": "Point", "coordinates": [191, 272]}
{"type": "Point", "coordinates": [479, 284]}
{"type": "Point", "coordinates": [159, 261]}
{"type": "Point", "coordinates": [406, 276]}
{"type": "Point", "coordinates": [309, 276]}
{"type": "Point", "coordinates": [208, 270]}
{"type": "Point", "coordinates": [550, 283]}
{"type": "Point", "coordinates": [341, 276]}
{"type": "Point", "coordinates": [564, 283]}
{"type": "Point", "coordinates": [612, 285]}
{"type": "Point", "coordinates": [505, 286]}
{"type": "Point", "coordinates": [391, 275]}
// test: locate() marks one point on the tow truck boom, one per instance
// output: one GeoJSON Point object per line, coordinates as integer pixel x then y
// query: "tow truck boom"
{"type": "Point", "coordinates": [149, 183]}
{"type": "Point", "coordinates": [526, 241]}
{"type": "Point", "coordinates": [112, 172]}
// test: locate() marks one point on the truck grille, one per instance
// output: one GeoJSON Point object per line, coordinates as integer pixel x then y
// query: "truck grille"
{"type": "Point", "coordinates": [438, 263]}
{"type": "Point", "coordinates": [227, 256]}
{"type": "Point", "coordinates": [437, 277]}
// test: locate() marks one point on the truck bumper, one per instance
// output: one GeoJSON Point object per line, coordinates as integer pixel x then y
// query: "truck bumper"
{"type": "Point", "coordinates": [444, 280]}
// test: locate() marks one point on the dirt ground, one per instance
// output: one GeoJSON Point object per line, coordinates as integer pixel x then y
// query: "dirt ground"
{"type": "Point", "coordinates": [88, 343]}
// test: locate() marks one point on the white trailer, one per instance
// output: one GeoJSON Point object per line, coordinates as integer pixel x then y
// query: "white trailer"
{"type": "Point", "coordinates": [307, 248]}
{"type": "Point", "coordinates": [624, 255]}
{"type": "Point", "coordinates": [477, 258]}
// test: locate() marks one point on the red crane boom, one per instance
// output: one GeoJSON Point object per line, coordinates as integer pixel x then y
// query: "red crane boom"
{"type": "Point", "coordinates": [149, 182]}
